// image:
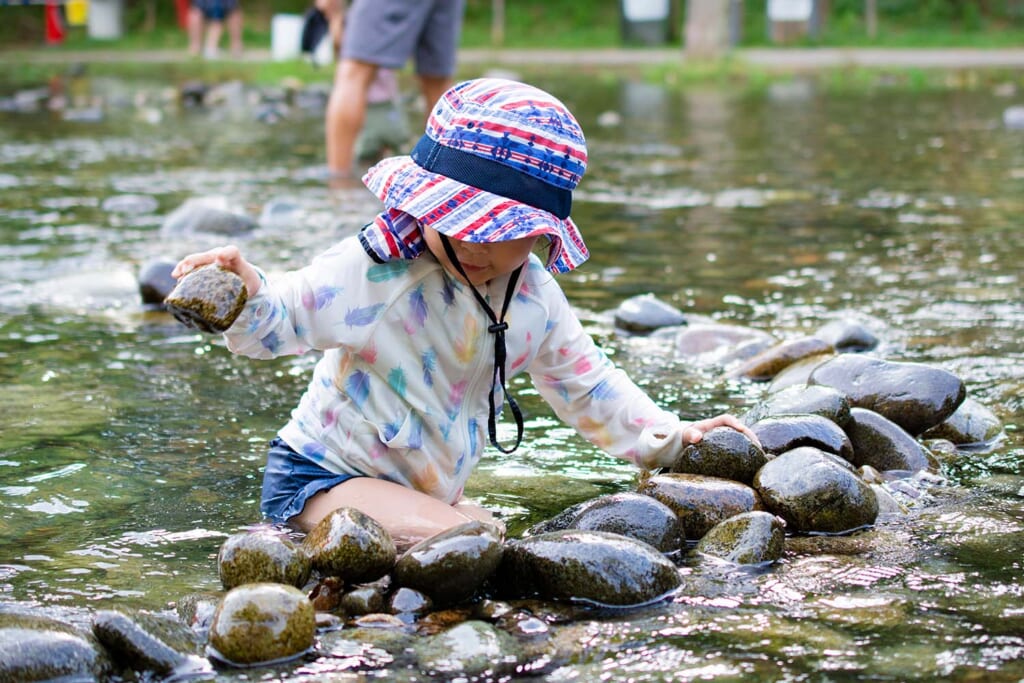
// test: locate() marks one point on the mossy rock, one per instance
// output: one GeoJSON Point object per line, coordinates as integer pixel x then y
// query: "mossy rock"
{"type": "Point", "coordinates": [261, 556]}
{"type": "Point", "coordinates": [210, 298]}
{"type": "Point", "coordinates": [260, 623]}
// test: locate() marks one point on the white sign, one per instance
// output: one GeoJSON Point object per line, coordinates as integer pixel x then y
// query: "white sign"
{"type": "Point", "coordinates": [790, 10]}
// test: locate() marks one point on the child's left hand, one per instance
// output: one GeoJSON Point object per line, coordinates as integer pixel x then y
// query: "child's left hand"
{"type": "Point", "coordinates": [695, 431]}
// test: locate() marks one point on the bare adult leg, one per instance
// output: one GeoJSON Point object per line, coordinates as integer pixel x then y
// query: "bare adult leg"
{"type": "Point", "coordinates": [346, 111]}
{"type": "Point", "coordinates": [194, 23]}
{"type": "Point", "coordinates": [408, 515]}
{"type": "Point", "coordinates": [234, 22]}
{"type": "Point", "coordinates": [213, 34]}
{"type": "Point", "coordinates": [432, 88]}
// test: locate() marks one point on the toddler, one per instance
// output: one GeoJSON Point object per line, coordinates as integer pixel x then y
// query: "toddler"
{"type": "Point", "coordinates": [425, 315]}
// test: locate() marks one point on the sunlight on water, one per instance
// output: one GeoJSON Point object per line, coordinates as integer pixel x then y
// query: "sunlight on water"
{"type": "Point", "coordinates": [133, 447]}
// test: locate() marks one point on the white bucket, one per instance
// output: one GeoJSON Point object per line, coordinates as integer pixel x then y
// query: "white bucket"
{"type": "Point", "coordinates": [105, 19]}
{"type": "Point", "coordinates": [645, 10]}
{"type": "Point", "coordinates": [286, 36]}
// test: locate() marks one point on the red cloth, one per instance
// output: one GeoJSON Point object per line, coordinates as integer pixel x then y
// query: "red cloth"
{"type": "Point", "coordinates": [55, 30]}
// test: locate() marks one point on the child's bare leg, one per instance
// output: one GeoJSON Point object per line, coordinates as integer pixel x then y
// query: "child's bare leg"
{"type": "Point", "coordinates": [408, 515]}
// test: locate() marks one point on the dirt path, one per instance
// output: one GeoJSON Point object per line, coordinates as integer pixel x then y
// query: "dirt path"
{"type": "Point", "coordinates": [788, 59]}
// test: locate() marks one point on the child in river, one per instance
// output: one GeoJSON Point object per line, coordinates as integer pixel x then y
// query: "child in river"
{"type": "Point", "coordinates": [426, 314]}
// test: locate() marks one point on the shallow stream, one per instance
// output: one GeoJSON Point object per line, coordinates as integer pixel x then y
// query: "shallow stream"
{"type": "Point", "coordinates": [132, 446]}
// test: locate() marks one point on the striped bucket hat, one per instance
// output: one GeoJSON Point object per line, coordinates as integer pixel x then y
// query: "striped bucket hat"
{"type": "Point", "coordinates": [498, 162]}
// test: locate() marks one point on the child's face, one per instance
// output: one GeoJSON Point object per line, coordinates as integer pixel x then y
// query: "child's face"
{"type": "Point", "coordinates": [482, 262]}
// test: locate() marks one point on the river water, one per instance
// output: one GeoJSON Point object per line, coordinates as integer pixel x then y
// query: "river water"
{"type": "Point", "coordinates": [132, 446]}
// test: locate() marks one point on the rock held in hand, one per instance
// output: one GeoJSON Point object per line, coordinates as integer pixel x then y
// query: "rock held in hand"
{"type": "Point", "coordinates": [209, 298]}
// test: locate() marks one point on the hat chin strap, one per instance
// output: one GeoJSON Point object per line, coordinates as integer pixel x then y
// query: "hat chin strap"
{"type": "Point", "coordinates": [497, 328]}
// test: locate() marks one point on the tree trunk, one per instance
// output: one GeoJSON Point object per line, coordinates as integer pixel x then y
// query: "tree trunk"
{"type": "Point", "coordinates": [707, 28]}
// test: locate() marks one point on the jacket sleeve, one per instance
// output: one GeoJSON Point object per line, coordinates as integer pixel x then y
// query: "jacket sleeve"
{"type": "Point", "coordinates": [311, 308]}
{"type": "Point", "coordinates": [600, 400]}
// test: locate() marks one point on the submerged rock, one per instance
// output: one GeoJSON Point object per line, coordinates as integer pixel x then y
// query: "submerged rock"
{"type": "Point", "coordinates": [721, 343]}
{"type": "Point", "coordinates": [451, 565]}
{"type": "Point", "coordinates": [41, 649]}
{"type": "Point", "coordinates": [722, 452]}
{"type": "Point", "coordinates": [261, 556]}
{"type": "Point", "coordinates": [972, 424]}
{"type": "Point", "coordinates": [209, 298]}
{"type": "Point", "coordinates": [262, 622]}
{"type": "Point", "coordinates": [590, 566]}
{"type": "Point", "coordinates": [352, 545]}
{"type": "Point", "coordinates": [847, 336]}
{"type": "Point", "coordinates": [700, 501]}
{"type": "Point", "coordinates": [470, 650]}
{"type": "Point", "coordinates": [206, 215]}
{"type": "Point", "coordinates": [155, 281]}
{"type": "Point", "coordinates": [748, 538]}
{"type": "Point", "coordinates": [815, 491]}
{"type": "Point", "coordinates": [148, 643]}
{"type": "Point", "coordinates": [645, 313]}
{"type": "Point", "coordinates": [765, 365]}
{"type": "Point", "coordinates": [913, 395]}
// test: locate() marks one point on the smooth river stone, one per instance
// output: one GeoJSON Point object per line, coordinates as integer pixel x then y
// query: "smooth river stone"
{"type": "Point", "coordinates": [450, 566]}
{"type": "Point", "coordinates": [884, 445]}
{"type": "Point", "coordinates": [748, 538]}
{"type": "Point", "coordinates": [815, 491]}
{"type": "Point", "coordinates": [262, 622]}
{"type": "Point", "coordinates": [209, 299]}
{"type": "Point", "coordinates": [699, 501]}
{"type": "Point", "coordinates": [350, 544]}
{"type": "Point", "coordinates": [913, 395]}
{"type": "Point", "coordinates": [589, 566]}
{"type": "Point", "coordinates": [785, 432]}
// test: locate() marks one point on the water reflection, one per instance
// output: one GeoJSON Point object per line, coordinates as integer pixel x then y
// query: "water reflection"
{"type": "Point", "coordinates": [132, 447]}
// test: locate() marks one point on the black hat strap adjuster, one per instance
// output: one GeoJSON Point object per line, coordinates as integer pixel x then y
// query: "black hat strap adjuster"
{"type": "Point", "coordinates": [497, 327]}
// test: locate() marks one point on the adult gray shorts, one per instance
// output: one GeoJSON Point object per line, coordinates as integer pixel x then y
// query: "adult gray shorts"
{"type": "Point", "coordinates": [390, 32]}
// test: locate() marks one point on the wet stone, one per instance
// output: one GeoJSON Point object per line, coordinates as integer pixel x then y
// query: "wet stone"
{"type": "Point", "coordinates": [767, 364]}
{"type": "Point", "coordinates": [972, 424]}
{"type": "Point", "coordinates": [261, 556]}
{"type": "Point", "coordinates": [645, 313]}
{"type": "Point", "coordinates": [409, 601]}
{"type": "Point", "coordinates": [748, 538]}
{"type": "Point", "coordinates": [155, 281]}
{"type": "Point", "coordinates": [196, 611]}
{"type": "Point", "coordinates": [700, 501]}
{"type": "Point", "coordinates": [213, 215]}
{"type": "Point", "coordinates": [40, 649]}
{"type": "Point", "coordinates": [722, 452]}
{"type": "Point", "coordinates": [797, 374]}
{"type": "Point", "coordinates": [714, 342]}
{"type": "Point", "coordinates": [589, 566]}
{"type": "Point", "coordinates": [470, 650]}
{"type": "Point", "coordinates": [352, 545]}
{"type": "Point", "coordinates": [884, 445]}
{"type": "Point", "coordinates": [209, 299]}
{"type": "Point", "coordinates": [366, 599]}
{"type": "Point", "coordinates": [847, 336]}
{"type": "Point", "coordinates": [915, 396]}
{"type": "Point", "coordinates": [450, 566]}
{"type": "Point", "coordinates": [786, 432]}
{"type": "Point", "coordinates": [626, 513]}
{"type": "Point", "coordinates": [326, 593]}
{"type": "Point", "coordinates": [803, 400]}
{"type": "Point", "coordinates": [815, 491]}
{"type": "Point", "coordinates": [260, 623]}
{"type": "Point", "coordinates": [148, 643]}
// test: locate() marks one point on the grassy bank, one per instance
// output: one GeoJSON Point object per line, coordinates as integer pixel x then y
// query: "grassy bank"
{"type": "Point", "coordinates": [152, 24]}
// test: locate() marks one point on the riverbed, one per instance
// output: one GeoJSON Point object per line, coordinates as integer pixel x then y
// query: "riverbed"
{"type": "Point", "coordinates": [133, 446]}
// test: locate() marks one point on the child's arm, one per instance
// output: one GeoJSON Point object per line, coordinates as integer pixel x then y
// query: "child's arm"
{"type": "Point", "coordinates": [586, 390]}
{"type": "Point", "coordinates": [229, 258]}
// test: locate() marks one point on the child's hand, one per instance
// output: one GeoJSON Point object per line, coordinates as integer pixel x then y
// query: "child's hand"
{"type": "Point", "coordinates": [229, 258]}
{"type": "Point", "coordinates": [695, 431]}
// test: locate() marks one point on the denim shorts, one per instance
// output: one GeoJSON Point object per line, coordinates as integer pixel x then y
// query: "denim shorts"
{"type": "Point", "coordinates": [290, 479]}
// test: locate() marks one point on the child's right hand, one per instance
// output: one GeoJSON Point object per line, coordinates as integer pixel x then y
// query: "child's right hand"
{"type": "Point", "coordinates": [229, 258]}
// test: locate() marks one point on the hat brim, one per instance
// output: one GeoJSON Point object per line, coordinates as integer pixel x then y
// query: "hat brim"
{"type": "Point", "coordinates": [467, 213]}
